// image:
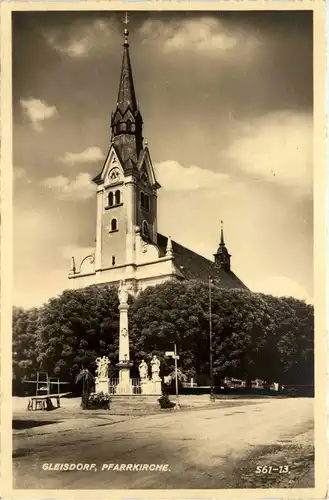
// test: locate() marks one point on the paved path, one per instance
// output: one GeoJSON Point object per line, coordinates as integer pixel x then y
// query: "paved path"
{"type": "Point", "coordinates": [203, 448]}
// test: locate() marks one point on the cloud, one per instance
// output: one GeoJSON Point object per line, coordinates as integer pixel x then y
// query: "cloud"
{"type": "Point", "coordinates": [80, 188]}
{"type": "Point", "coordinates": [81, 37]}
{"type": "Point", "coordinates": [173, 176]}
{"type": "Point", "coordinates": [205, 34]}
{"type": "Point", "coordinates": [281, 286]}
{"type": "Point", "coordinates": [278, 148]}
{"type": "Point", "coordinates": [90, 154]}
{"type": "Point", "coordinates": [37, 111]}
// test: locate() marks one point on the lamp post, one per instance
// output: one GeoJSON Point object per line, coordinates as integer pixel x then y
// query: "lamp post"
{"type": "Point", "coordinates": [212, 395]}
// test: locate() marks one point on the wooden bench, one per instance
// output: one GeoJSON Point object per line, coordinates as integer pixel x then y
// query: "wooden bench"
{"type": "Point", "coordinates": [43, 402]}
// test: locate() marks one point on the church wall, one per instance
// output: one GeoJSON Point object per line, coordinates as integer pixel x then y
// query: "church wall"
{"type": "Point", "coordinates": [143, 214]}
{"type": "Point", "coordinates": [155, 217]}
{"type": "Point", "coordinates": [147, 274]}
{"type": "Point", "coordinates": [113, 242]}
{"type": "Point", "coordinates": [130, 218]}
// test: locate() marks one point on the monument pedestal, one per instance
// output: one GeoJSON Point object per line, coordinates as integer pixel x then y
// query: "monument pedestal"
{"type": "Point", "coordinates": [151, 387]}
{"type": "Point", "coordinates": [124, 386]}
{"type": "Point", "coordinates": [102, 385]}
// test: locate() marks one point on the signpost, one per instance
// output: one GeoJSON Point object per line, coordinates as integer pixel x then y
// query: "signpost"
{"type": "Point", "coordinates": [173, 354]}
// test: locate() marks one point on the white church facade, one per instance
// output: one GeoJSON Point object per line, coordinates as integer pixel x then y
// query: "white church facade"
{"type": "Point", "coordinates": [128, 244]}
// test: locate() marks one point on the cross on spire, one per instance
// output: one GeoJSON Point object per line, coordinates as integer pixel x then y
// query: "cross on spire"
{"type": "Point", "coordinates": [126, 32]}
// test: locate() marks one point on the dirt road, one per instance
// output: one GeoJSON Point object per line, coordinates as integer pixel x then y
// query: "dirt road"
{"type": "Point", "coordinates": [205, 448]}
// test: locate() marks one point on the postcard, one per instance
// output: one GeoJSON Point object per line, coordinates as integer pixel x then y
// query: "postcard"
{"type": "Point", "coordinates": [163, 250]}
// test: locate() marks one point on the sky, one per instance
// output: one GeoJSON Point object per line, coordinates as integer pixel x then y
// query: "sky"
{"type": "Point", "coordinates": [227, 104]}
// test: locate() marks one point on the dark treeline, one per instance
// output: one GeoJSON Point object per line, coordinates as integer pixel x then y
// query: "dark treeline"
{"type": "Point", "coordinates": [254, 335]}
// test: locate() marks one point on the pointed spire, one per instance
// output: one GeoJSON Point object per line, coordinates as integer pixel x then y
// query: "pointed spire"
{"type": "Point", "coordinates": [222, 233]}
{"type": "Point", "coordinates": [169, 249]}
{"type": "Point", "coordinates": [126, 94]}
{"type": "Point", "coordinates": [222, 257]}
{"type": "Point", "coordinates": [126, 121]}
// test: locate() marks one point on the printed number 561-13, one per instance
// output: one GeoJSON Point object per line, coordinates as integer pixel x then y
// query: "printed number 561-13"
{"type": "Point", "coordinates": [268, 469]}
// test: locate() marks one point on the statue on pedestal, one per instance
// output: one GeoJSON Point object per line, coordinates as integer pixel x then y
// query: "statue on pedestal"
{"type": "Point", "coordinates": [143, 370]}
{"type": "Point", "coordinates": [102, 370]}
{"type": "Point", "coordinates": [123, 292]}
{"type": "Point", "coordinates": [155, 368]}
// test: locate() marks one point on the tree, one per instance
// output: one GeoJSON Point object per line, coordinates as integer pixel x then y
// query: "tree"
{"type": "Point", "coordinates": [254, 335]}
{"type": "Point", "coordinates": [164, 315]}
{"type": "Point", "coordinates": [296, 343]}
{"type": "Point", "coordinates": [24, 343]}
{"type": "Point", "coordinates": [77, 327]}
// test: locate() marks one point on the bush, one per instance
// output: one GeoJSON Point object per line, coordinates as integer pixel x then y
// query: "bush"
{"type": "Point", "coordinates": [96, 401]}
{"type": "Point", "coordinates": [165, 402]}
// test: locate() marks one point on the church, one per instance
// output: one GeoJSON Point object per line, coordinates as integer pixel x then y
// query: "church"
{"type": "Point", "coordinates": [128, 244]}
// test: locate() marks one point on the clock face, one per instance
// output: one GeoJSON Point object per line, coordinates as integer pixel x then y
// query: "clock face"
{"type": "Point", "coordinates": [114, 174]}
{"type": "Point", "coordinates": [124, 332]}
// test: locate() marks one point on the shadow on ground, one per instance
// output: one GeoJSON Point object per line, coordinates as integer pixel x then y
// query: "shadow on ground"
{"type": "Point", "coordinates": [29, 424]}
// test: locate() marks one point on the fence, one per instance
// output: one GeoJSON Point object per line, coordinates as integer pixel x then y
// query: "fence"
{"type": "Point", "coordinates": [135, 382]}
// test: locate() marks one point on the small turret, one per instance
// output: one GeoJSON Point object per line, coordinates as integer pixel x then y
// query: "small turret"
{"type": "Point", "coordinates": [169, 250]}
{"type": "Point", "coordinates": [222, 257]}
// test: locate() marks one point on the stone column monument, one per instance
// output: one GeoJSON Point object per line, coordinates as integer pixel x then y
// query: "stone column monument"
{"type": "Point", "coordinates": [124, 386]}
{"type": "Point", "coordinates": [102, 375]}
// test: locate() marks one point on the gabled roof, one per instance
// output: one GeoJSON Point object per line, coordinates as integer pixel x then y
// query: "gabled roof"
{"type": "Point", "coordinates": [195, 266]}
{"type": "Point", "coordinates": [144, 158]}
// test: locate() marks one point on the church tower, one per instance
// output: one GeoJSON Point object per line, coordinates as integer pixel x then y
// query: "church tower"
{"type": "Point", "coordinates": [128, 244]}
{"type": "Point", "coordinates": [126, 186]}
{"type": "Point", "coordinates": [222, 257]}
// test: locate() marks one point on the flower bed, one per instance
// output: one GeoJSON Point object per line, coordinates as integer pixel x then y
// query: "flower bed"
{"type": "Point", "coordinates": [96, 401]}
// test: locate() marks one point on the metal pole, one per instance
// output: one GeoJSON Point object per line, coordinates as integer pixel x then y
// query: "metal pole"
{"type": "Point", "coordinates": [212, 396]}
{"type": "Point", "coordinates": [176, 378]}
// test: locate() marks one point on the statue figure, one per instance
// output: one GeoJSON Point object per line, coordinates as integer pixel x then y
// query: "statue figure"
{"type": "Point", "coordinates": [123, 292]}
{"type": "Point", "coordinates": [102, 370]}
{"type": "Point", "coordinates": [143, 370]}
{"type": "Point", "coordinates": [155, 367]}
{"type": "Point", "coordinates": [97, 371]}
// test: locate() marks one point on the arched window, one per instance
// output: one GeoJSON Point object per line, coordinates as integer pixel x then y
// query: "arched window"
{"type": "Point", "coordinates": [142, 199]}
{"type": "Point", "coordinates": [145, 228]}
{"type": "Point", "coordinates": [123, 127]}
{"type": "Point", "coordinates": [133, 127]}
{"type": "Point", "coordinates": [146, 202]}
{"type": "Point", "coordinates": [111, 199]}
{"type": "Point", "coordinates": [117, 197]}
{"type": "Point", "coordinates": [113, 260]}
{"type": "Point", "coordinates": [114, 225]}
